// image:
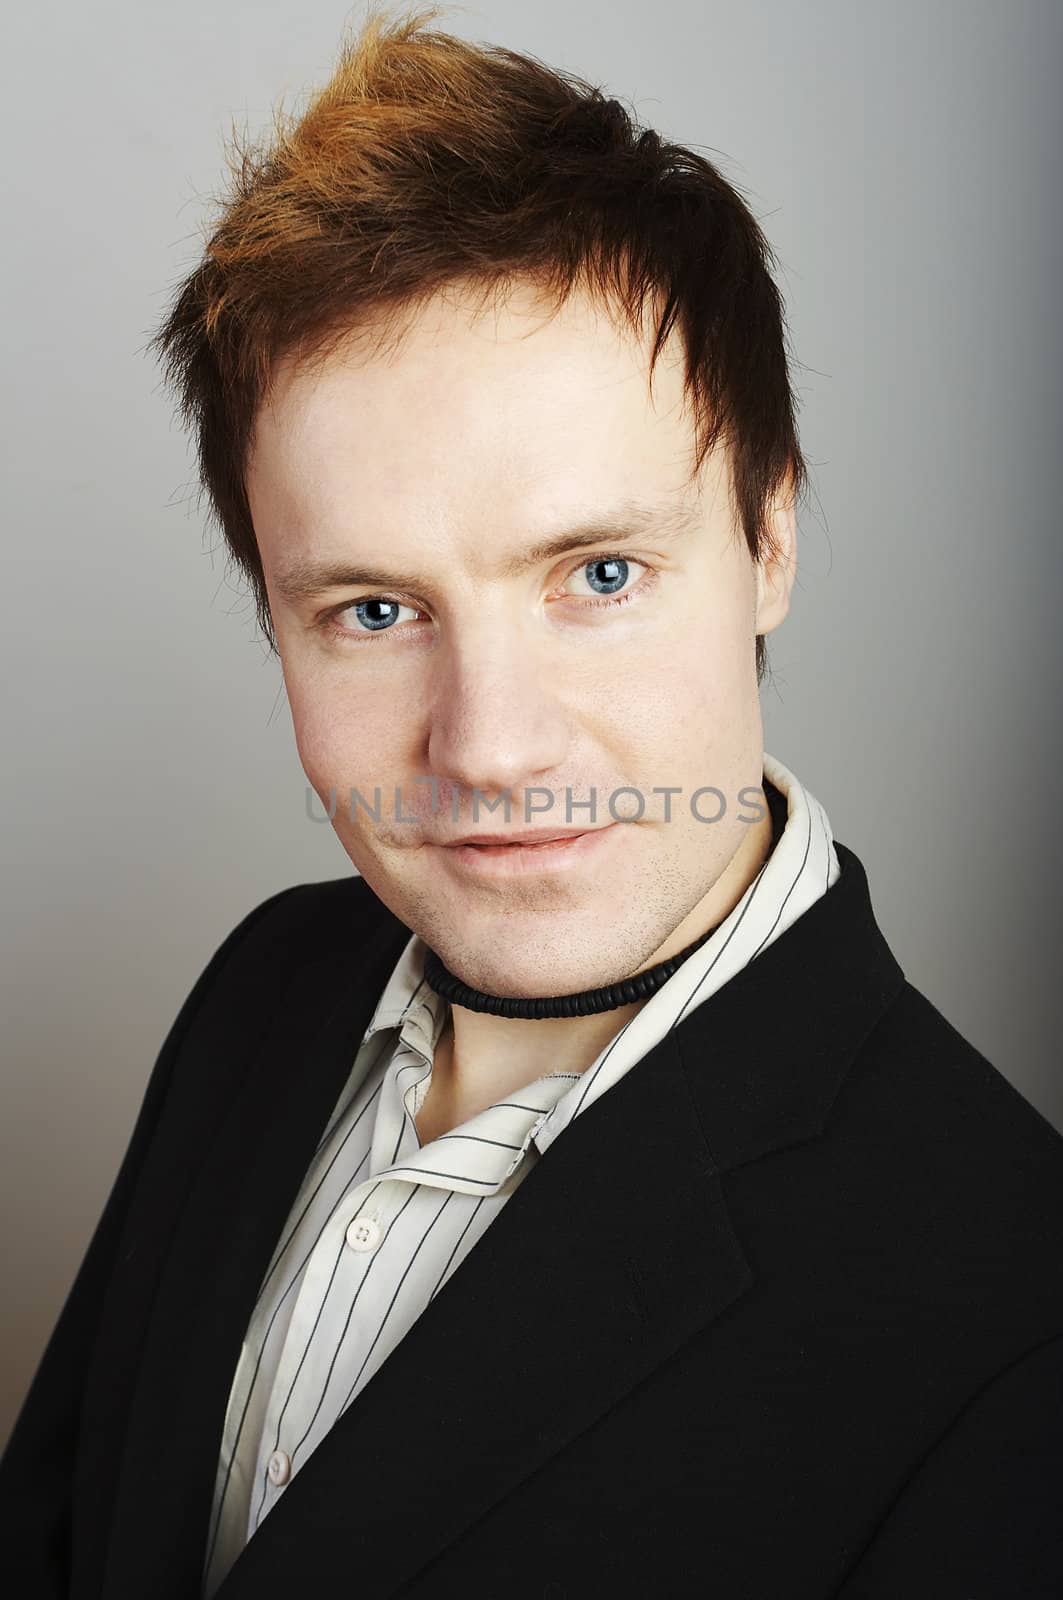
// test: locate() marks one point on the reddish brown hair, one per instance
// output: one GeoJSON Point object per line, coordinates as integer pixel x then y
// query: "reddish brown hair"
{"type": "Point", "coordinates": [425, 160]}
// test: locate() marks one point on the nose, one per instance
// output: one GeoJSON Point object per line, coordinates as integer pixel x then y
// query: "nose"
{"type": "Point", "coordinates": [495, 721]}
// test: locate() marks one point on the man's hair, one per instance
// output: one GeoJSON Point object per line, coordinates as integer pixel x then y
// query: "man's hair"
{"type": "Point", "coordinates": [427, 161]}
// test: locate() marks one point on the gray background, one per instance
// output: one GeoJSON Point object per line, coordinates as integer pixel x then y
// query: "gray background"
{"type": "Point", "coordinates": [903, 161]}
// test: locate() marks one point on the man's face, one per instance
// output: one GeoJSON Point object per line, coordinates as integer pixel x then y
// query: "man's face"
{"type": "Point", "coordinates": [429, 474]}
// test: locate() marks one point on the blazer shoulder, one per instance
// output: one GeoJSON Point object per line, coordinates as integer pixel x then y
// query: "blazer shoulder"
{"type": "Point", "coordinates": [330, 906]}
{"type": "Point", "coordinates": [952, 1182]}
{"type": "Point", "coordinates": [924, 1106]}
{"type": "Point", "coordinates": [940, 1065]}
{"type": "Point", "coordinates": [288, 944]}
{"type": "Point", "coordinates": [289, 929]}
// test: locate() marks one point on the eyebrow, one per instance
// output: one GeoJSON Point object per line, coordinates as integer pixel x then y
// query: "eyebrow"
{"type": "Point", "coordinates": [308, 578]}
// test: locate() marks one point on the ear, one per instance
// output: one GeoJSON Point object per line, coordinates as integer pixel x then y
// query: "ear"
{"type": "Point", "coordinates": [776, 571]}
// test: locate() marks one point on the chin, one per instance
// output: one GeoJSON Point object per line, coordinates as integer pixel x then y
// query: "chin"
{"type": "Point", "coordinates": [508, 984]}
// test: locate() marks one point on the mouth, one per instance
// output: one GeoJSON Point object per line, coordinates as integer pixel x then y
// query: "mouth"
{"type": "Point", "coordinates": [547, 854]}
{"type": "Point", "coordinates": [528, 837]}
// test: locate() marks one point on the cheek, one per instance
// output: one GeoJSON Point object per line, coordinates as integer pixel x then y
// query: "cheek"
{"type": "Point", "coordinates": [328, 735]}
{"type": "Point", "coordinates": [698, 674]}
{"type": "Point", "coordinates": [347, 738]}
{"type": "Point", "coordinates": [319, 757]}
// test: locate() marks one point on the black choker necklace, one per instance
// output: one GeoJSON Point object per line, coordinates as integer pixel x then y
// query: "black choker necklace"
{"type": "Point", "coordinates": [588, 1001]}
{"type": "Point", "coordinates": [582, 1004]}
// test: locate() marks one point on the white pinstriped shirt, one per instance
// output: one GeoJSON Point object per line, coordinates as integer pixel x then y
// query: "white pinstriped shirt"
{"type": "Point", "coordinates": [381, 1222]}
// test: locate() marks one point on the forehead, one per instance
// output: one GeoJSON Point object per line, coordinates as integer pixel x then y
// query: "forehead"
{"type": "Point", "coordinates": [512, 378]}
{"type": "Point", "coordinates": [497, 423]}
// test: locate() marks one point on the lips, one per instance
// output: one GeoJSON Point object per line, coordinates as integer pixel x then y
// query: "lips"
{"type": "Point", "coordinates": [516, 844]}
{"type": "Point", "coordinates": [542, 854]}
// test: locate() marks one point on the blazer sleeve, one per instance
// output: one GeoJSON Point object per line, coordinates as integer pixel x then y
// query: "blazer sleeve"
{"type": "Point", "coordinates": [982, 1517]}
{"type": "Point", "coordinates": [37, 1467]}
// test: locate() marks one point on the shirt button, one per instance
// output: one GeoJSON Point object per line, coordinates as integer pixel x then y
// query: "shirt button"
{"type": "Point", "coordinates": [279, 1467]}
{"type": "Point", "coordinates": [363, 1233]}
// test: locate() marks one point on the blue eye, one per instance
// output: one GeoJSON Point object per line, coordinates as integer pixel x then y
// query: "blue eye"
{"type": "Point", "coordinates": [607, 574]}
{"type": "Point", "coordinates": [367, 612]}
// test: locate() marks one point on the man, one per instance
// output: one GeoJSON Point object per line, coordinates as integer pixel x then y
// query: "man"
{"type": "Point", "coordinates": [580, 1195]}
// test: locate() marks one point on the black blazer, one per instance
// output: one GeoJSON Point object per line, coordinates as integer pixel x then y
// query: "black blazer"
{"type": "Point", "coordinates": [779, 1316]}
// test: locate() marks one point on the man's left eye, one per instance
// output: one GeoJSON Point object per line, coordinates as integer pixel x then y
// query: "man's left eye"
{"type": "Point", "coordinates": [605, 575]}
